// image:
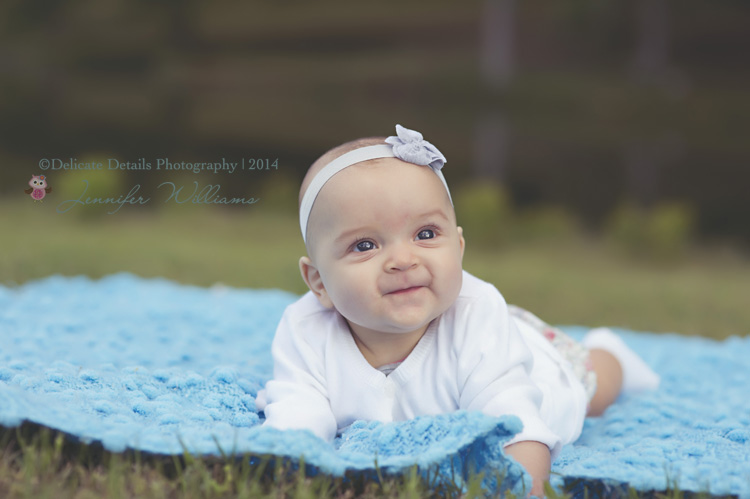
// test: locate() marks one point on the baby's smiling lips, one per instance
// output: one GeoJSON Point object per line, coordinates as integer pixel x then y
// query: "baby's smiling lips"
{"type": "Point", "coordinates": [405, 290]}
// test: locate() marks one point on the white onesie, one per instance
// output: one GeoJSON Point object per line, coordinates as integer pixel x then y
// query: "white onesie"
{"type": "Point", "coordinates": [475, 356]}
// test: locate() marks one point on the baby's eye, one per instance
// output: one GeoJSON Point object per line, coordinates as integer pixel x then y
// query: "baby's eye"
{"type": "Point", "coordinates": [426, 234]}
{"type": "Point", "coordinates": [364, 246]}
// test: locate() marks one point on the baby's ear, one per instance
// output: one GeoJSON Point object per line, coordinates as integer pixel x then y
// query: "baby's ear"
{"type": "Point", "coordinates": [312, 278]}
{"type": "Point", "coordinates": [461, 240]}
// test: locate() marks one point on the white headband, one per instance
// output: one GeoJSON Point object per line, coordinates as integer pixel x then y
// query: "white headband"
{"type": "Point", "coordinates": [407, 146]}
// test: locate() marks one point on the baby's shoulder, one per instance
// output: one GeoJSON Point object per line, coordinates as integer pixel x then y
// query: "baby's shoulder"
{"type": "Point", "coordinates": [306, 305]}
{"type": "Point", "coordinates": [479, 310]}
{"type": "Point", "coordinates": [476, 292]}
{"type": "Point", "coordinates": [306, 321]}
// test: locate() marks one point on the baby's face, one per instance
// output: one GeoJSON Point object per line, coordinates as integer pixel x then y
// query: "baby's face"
{"type": "Point", "coordinates": [386, 245]}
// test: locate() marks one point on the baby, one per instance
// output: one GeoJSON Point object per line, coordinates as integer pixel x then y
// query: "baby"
{"type": "Point", "coordinates": [393, 328]}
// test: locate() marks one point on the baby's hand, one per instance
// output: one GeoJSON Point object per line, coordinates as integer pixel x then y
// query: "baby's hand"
{"type": "Point", "coordinates": [535, 458]}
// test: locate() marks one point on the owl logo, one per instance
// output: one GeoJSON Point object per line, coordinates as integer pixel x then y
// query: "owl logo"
{"type": "Point", "coordinates": [38, 187]}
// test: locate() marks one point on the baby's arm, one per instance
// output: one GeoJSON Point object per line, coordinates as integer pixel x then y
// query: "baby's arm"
{"type": "Point", "coordinates": [515, 394]}
{"type": "Point", "coordinates": [494, 371]}
{"type": "Point", "coordinates": [535, 458]}
{"type": "Point", "coordinates": [297, 396]}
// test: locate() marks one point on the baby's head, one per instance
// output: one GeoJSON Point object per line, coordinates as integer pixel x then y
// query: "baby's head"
{"type": "Point", "coordinates": [383, 246]}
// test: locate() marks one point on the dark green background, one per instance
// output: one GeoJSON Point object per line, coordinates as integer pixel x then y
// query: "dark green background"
{"type": "Point", "coordinates": [600, 102]}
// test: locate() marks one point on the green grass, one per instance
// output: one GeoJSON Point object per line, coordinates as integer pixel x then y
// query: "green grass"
{"type": "Point", "coordinates": [38, 463]}
{"type": "Point", "coordinates": [586, 284]}
{"type": "Point", "coordinates": [566, 280]}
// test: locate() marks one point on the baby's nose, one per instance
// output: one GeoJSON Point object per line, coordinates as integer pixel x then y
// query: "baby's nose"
{"type": "Point", "coordinates": [401, 257]}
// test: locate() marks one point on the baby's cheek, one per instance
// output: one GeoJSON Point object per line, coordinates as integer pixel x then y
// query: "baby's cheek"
{"type": "Point", "coordinates": [355, 306]}
{"type": "Point", "coordinates": [343, 303]}
{"type": "Point", "coordinates": [456, 280]}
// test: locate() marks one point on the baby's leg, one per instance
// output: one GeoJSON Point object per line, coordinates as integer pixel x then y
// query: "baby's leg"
{"type": "Point", "coordinates": [617, 367]}
{"type": "Point", "coordinates": [608, 380]}
{"type": "Point", "coordinates": [573, 353]}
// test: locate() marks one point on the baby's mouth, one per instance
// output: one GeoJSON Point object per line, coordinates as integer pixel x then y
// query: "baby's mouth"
{"type": "Point", "coordinates": [404, 291]}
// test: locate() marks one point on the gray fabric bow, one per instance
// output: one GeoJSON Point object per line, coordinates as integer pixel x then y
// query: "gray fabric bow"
{"type": "Point", "coordinates": [409, 146]}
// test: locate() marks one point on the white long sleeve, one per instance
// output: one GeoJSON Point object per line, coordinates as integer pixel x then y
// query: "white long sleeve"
{"type": "Point", "coordinates": [495, 365]}
{"type": "Point", "coordinates": [298, 392]}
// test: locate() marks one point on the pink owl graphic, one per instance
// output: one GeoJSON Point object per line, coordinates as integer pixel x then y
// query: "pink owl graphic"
{"type": "Point", "coordinates": [38, 188]}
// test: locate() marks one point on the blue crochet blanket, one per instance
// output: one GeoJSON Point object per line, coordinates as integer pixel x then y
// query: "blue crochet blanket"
{"type": "Point", "coordinates": [153, 365]}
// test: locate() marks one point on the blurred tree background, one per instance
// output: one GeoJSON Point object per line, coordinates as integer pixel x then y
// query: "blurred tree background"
{"type": "Point", "coordinates": [589, 105]}
{"type": "Point", "coordinates": [624, 120]}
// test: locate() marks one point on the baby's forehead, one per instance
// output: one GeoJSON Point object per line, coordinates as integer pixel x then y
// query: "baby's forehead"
{"type": "Point", "coordinates": [390, 180]}
{"type": "Point", "coordinates": [379, 173]}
